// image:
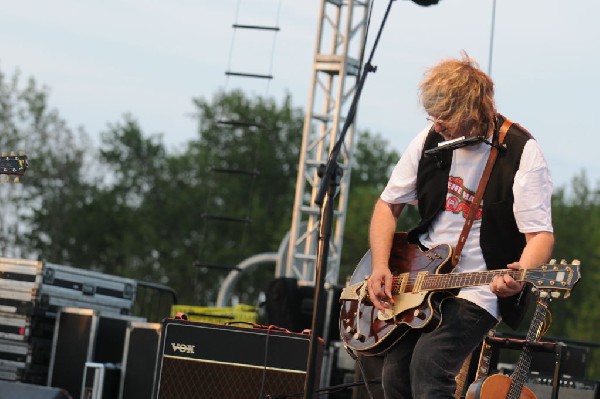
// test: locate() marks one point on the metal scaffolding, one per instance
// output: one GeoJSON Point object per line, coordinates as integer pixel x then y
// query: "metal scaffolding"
{"type": "Point", "coordinates": [337, 65]}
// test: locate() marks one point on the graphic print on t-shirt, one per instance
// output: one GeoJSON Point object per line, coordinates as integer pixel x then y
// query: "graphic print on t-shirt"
{"type": "Point", "coordinates": [459, 198]}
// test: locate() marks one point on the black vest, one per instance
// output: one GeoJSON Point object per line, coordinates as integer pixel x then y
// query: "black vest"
{"type": "Point", "coordinates": [500, 240]}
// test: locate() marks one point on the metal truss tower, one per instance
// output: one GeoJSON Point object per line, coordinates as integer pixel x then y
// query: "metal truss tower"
{"type": "Point", "coordinates": [335, 75]}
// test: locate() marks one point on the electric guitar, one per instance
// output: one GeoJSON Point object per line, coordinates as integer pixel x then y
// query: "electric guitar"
{"type": "Point", "coordinates": [13, 165]}
{"type": "Point", "coordinates": [422, 280]}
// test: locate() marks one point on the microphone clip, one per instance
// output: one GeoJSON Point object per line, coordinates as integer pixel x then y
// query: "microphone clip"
{"type": "Point", "coordinates": [451, 145]}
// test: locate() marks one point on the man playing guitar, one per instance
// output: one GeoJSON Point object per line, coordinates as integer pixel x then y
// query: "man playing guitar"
{"type": "Point", "coordinates": [511, 227]}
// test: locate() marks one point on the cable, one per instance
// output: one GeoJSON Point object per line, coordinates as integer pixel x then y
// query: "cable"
{"type": "Point", "coordinates": [362, 370]}
{"type": "Point", "coordinates": [237, 12]}
{"type": "Point", "coordinates": [272, 52]}
{"type": "Point", "coordinates": [273, 47]}
{"type": "Point", "coordinates": [492, 37]}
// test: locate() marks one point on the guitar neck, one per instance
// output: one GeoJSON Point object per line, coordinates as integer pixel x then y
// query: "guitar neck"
{"type": "Point", "coordinates": [522, 368]}
{"type": "Point", "coordinates": [433, 282]}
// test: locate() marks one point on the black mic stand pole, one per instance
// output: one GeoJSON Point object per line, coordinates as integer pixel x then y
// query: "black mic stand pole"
{"type": "Point", "coordinates": [331, 175]}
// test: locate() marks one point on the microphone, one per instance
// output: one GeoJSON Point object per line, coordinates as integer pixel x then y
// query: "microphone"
{"type": "Point", "coordinates": [451, 145]}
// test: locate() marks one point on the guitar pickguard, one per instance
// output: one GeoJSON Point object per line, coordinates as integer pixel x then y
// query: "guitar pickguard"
{"type": "Point", "coordinates": [402, 302]}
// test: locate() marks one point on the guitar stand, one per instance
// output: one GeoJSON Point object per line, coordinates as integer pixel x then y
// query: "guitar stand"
{"type": "Point", "coordinates": [558, 348]}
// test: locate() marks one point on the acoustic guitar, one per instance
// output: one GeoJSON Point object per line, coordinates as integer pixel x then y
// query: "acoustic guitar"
{"type": "Point", "coordinates": [500, 386]}
{"type": "Point", "coordinates": [421, 281]}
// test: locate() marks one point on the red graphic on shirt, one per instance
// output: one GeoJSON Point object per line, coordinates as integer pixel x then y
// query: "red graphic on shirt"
{"type": "Point", "coordinates": [459, 198]}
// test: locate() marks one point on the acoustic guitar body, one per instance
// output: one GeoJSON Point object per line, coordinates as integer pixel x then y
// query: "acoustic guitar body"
{"type": "Point", "coordinates": [495, 386]}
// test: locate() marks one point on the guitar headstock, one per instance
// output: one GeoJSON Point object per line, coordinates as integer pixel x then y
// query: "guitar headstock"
{"type": "Point", "coordinates": [554, 278]}
{"type": "Point", "coordinates": [13, 165]}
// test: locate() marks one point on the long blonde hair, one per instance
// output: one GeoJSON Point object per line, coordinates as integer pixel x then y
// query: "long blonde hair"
{"type": "Point", "coordinates": [460, 94]}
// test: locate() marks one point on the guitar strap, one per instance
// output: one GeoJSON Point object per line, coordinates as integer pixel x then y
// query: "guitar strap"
{"type": "Point", "coordinates": [479, 193]}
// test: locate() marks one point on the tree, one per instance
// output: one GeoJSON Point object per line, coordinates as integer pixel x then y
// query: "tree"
{"type": "Point", "coordinates": [53, 184]}
{"type": "Point", "coordinates": [373, 163]}
{"type": "Point", "coordinates": [576, 218]}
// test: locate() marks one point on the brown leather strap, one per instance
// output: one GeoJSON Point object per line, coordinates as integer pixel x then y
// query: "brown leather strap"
{"type": "Point", "coordinates": [479, 193]}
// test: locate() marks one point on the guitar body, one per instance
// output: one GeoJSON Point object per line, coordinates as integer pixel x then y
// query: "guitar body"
{"type": "Point", "coordinates": [496, 386]}
{"type": "Point", "coordinates": [360, 326]}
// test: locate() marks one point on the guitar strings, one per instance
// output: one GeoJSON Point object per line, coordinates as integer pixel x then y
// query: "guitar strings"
{"type": "Point", "coordinates": [413, 277]}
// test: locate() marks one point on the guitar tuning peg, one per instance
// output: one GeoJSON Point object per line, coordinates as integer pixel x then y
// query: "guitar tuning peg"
{"type": "Point", "coordinates": [552, 261]}
{"type": "Point", "coordinates": [4, 154]}
{"type": "Point", "coordinates": [12, 154]}
{"type": "Point", "coordinates": [567, 295]}
{"type": "Point", "coordinates": [563, 262]}
{"type": "Point", "coordinates": [21, 152]}
{"type": "Point", "coordinates": [17, 180]}
{"type": "Point", "coordinates": [576, 262]}
{"type": "Point", "coordinates": [555, 294]}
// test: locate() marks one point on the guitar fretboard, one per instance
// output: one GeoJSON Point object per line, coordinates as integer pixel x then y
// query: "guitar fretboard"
{"type": "Point", "coordinates": [435, 282]}
{"type": "Point", "coordinates": [522, 368]}
{"type": "Point", "coordinates": [457, 280]}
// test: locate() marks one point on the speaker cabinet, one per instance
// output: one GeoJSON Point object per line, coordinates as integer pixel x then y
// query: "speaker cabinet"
{"type": "Point", "coordinates": [573, 361]}
{"type": "Point", "coordinates": [290, 306]}
{"type": "Point", "coordinates": [201, 360]}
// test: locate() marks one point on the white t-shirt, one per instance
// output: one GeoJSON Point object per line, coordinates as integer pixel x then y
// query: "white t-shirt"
{"type": "Point", "coordinates": [532, 190]}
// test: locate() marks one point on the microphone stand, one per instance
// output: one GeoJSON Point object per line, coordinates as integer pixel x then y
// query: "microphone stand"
{"type": "Point", "coordinates": [331, 174]}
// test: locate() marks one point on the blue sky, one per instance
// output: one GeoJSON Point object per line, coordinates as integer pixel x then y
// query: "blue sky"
{"type": "Point", "coordinates": [102, 59]}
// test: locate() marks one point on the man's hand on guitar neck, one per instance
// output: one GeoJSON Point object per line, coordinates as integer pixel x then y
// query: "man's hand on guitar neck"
{"type": "Point", "coordinates": [379, 286]}
{"type": "Point", "coordinates": [537, 251]}
{"type": "Point", "coordinates": [505, 286]}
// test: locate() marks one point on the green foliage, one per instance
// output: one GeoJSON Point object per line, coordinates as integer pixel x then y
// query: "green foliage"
{"type": "Point", "coordinates": [576, 217]}
{"type": "Point", "coordinates": [373, 164]}
{"type": "Point", "coordinates": [576, 224]}
{"type": "Point", "coordinates": [53, 188]}
{"type": "Point", "coordinates": [249, 150]}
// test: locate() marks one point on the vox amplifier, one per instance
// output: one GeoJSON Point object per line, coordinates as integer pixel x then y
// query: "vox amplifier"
{"type": "Point", "coordinates": [202, 360]}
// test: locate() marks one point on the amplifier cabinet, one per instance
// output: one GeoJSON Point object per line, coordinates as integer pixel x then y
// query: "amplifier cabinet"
{"type": "Point", "coordinates": [541, 386]}
{"type": "Point", "coordinates": [201, 360]}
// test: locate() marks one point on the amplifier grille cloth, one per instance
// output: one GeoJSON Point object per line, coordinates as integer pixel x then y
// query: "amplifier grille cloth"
{"type": "Point", "coordinates": [186, 379]}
